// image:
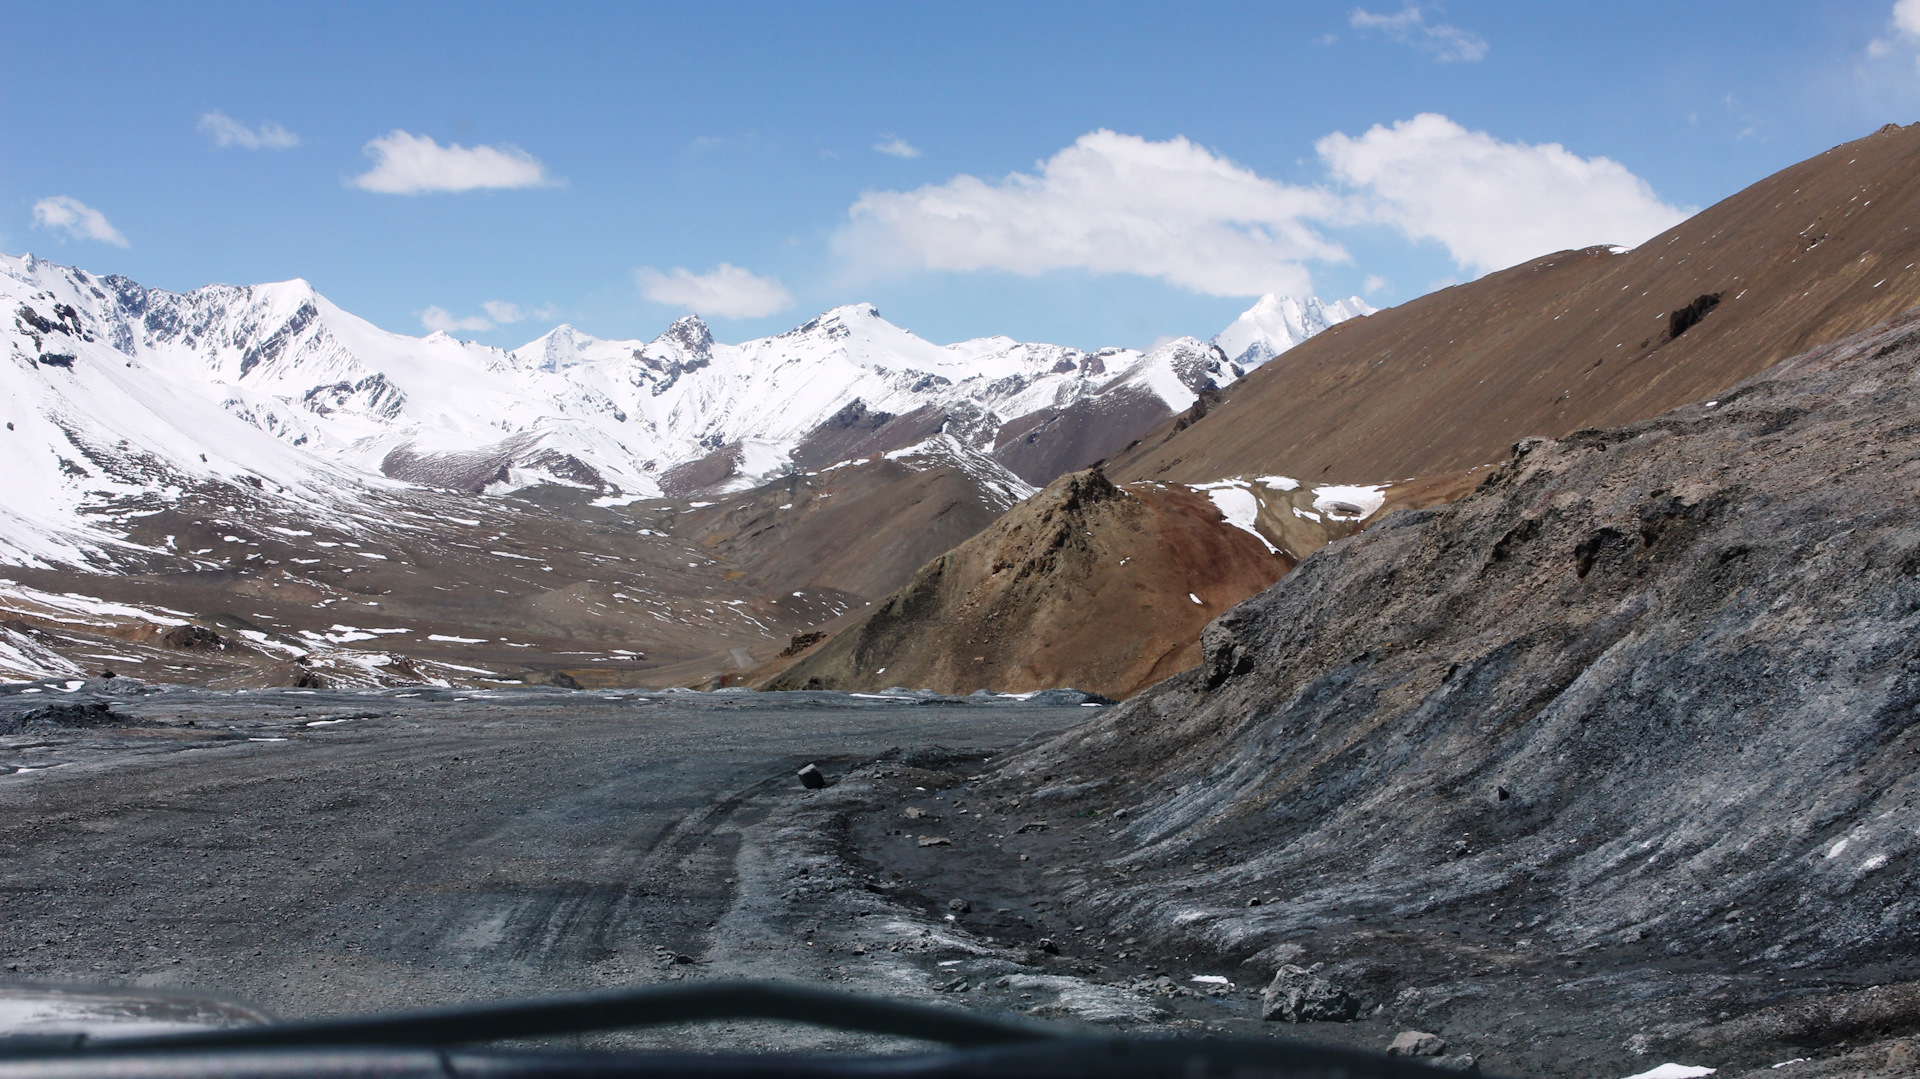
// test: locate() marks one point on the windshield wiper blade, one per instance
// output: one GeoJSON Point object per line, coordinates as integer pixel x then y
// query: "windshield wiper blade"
{"type": "Point", "coordinates": [588, 1013]}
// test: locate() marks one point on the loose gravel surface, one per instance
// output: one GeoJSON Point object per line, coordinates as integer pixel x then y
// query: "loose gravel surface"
{"type": "Point", "coordinates": [323, 853]}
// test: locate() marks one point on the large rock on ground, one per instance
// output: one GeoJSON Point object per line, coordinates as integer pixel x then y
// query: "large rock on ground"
{"type": "Point", "coordinates": [1297, 995]}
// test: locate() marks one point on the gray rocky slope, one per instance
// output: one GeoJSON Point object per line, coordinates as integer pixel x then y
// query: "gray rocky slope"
{"type": "Point", "coordinates": [1630, 730]}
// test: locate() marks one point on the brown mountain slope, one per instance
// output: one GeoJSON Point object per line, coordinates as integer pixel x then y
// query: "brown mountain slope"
{"type": "Point", "coordinates": [1090, 585]}
{"type": "Point", "coordinates": [1575, 339]}
{"type": "Point", "coordinates": [1085, 584]}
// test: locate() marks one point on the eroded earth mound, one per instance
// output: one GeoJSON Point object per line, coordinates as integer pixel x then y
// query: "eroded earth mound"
{"type": "Point", "coordinates": [1086, 584]}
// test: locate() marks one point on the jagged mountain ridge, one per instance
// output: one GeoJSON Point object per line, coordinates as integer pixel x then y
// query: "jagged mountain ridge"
{"type": "Point", "coordinates": [135, 392]}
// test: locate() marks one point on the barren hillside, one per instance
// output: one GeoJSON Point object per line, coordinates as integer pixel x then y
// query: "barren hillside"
{"type": "Point", "coordinates": [1575, 339]}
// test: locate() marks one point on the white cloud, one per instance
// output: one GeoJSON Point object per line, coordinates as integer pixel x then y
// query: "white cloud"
{"type": "Point", "coordinates": [76, 219]}
{"type": "Point", "coordinates": [727, 292]}
{"type": "Point", "coordinates": [1906, 17]}
{"type": "Point", "coordinates": [407, 164]}
{"type": "Point", "coordinates": [224, 130]}
{"type": "Point", "coordinates": [1491, 203]}
{"type": "Point", "coordinates": [1409, 26]}
{"type": "Point", "coordinates": [1373, 284]}
{"type": "Point", "coordinates": [1110, 203]}
{"type": "Point", "coordinates": [441, 320]}
{"type": "Point", "coordinates": [895, 146]}
{"type": "Point", "coordinates": [1903, 33]}
{"type": "Point", "coordinates": [1113, 203]}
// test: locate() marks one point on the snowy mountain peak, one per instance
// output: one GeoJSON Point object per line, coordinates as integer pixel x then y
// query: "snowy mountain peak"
{"type": "Point", "coordinates": [1276, 323]}
{"type": "Point", "coordinates": [838, 322]}
{"type": "Point", "coordinates": [689, 336]}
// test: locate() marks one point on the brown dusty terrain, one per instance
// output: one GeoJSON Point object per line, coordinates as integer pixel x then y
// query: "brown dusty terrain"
{"type": "Point", "coordinates": [1085, 584]}
{"type": "Point", "coordinates": [1575, 339]}
{"type": "Point", "coordinates": [1099, 587]}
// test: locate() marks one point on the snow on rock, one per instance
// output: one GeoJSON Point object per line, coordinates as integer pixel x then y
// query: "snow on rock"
{"type": "Point", "coordinates": [1236, 502]}
{"type": "Point", "coordinates": [1277, 323]}
{"type": "Point", "coordinates": [24, 659]}
{"type": "Point", "coordinates": [1344, 502]}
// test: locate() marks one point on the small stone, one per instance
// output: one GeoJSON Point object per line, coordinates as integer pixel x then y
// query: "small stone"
{"type": "Point", "coordinates": [915, 813]}
{"type": "Point", "coordinates": [1253, 902]}
{"type": "Point", "coordinates": [1416, 1043]}
{"type": "Point", "coordinates": [934, 841]}
{"type": "Point", "coordinates": [959, 906]}
{"type": "Point", "coordinates": [812, 778]}
{"type": "Point", "coordinates": [1297, 995]}
{"type": "Point", "coordinates": [1460, 1062]}
{"type": "Point", "coordinates": [1047, 945]}
{"type": "Point", "coordinates": [859, 949]}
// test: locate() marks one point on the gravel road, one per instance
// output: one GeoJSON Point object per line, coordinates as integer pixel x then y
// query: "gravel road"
{"type": "Point", "coordinates": [335, 852]}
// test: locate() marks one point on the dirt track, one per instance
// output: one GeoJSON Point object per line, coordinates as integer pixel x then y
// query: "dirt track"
{"type": "Point", "coordinates": [410, 850]}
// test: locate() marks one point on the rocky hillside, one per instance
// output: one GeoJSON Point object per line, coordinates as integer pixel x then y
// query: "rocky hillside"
{"type": "Point", "coordinates": [1608, 763]}
{"type": "Point", "coordinates": [1443, 385]}
{"type": "Point", "coordinates": [1599, 337]}
{"type": "Point", "coordinates": [1085, 584]}
{"type": "Point", "coordinates": [1100, 587]}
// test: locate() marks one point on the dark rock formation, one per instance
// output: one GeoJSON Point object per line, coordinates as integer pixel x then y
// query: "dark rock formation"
{"type": "Point", "coordinates": [1648, 699]}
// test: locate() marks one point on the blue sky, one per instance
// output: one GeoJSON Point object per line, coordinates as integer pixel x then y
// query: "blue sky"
{"type": "Point", "coordinates": [614, 165]}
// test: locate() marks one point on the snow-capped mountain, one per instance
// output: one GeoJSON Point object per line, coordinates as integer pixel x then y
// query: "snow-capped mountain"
{"type": "Point", "coordinates": [1277, 323]}
{"type": "Point", "coordinates": [119, 394]}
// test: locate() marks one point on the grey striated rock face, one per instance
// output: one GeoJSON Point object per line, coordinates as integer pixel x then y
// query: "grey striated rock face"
{"type": "Point", "coordinates": [1649, 697]}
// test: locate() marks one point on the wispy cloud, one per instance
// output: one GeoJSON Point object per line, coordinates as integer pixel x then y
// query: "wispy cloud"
{"type": "Point", "coordinates": [406, 164]}
{"type": "Point", "coordinates": [60, 213]}
{"type": "Point", "coordinates": [1409, 26]}
{"type": "Point", "coordinates": [895, 146]}
{"type": "Point", "coordinates": [441, 320]}
{"type": "Point", "coordinates": [224, 130]}
{"type": "Point", "coordinates": [498, 313]}
{"type": "Point", "coordinates": [1903, 34]}
{"type": "Point", "coordinates": [726, 292]}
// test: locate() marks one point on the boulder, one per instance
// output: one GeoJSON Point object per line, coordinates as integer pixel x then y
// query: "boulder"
{"type": "Point", "coordinates": [1297, 995]}
{"type": "Point", "coordinates": [1416, 1043]}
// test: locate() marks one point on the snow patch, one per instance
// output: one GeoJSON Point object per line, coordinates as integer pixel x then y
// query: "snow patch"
{"type": "Point", "coordinates": [1674, 1071]}
{"type": "Point", "coordinates": [1341, 502]}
